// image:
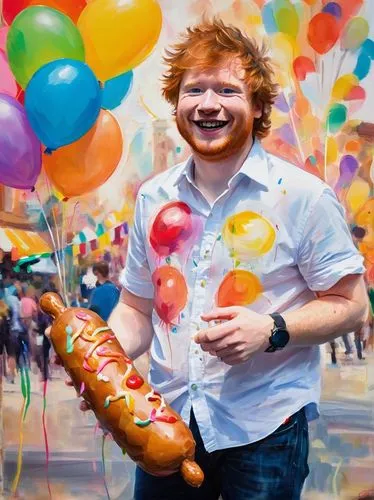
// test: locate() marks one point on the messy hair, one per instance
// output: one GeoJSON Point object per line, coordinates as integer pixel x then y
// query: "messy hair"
{"type": "Point", "coordinates": [207, 45]}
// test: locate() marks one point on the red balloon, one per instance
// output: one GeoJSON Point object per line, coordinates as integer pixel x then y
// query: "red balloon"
{"type": "Point", "coordinates": [302, 66]}
{"type": "Point", "coordinates": [171, 228]}
{"type": "Point", "coordinates": [170, 293]}
{"type": "Point", "coordinates": [323, 32]}
{"type": "Point", "coordinates": [72, 8]}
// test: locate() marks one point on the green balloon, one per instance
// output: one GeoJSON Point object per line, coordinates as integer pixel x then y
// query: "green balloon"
{"type": "Point", "coordinates": [39, 35]}
{"type": "Point", "coordinates": [336, 117]}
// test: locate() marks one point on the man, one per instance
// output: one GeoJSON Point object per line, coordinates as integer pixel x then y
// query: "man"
{"type": "Point", "coordinates": [245, 381]}
{"type": "Point", "coordinates": [105, 296]}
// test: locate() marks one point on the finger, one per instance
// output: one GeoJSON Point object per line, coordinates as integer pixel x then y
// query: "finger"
{"type": "Point", "coordinates": [233, 359]}
{"type": "Point", "coordinates": [69, 382]}
{"type": "Point", "coordinates": [227, 342]}
{"type": "Point", "coordinates": [220, 313]}
{"type": "Point", "coordinates": [215, 332]}
{"type": "Point", "coordinates": [48, 331]}
{"type": "Point", "coordinates": [84, 406]}
{"type": "Point", "coordinates": [225, 353]}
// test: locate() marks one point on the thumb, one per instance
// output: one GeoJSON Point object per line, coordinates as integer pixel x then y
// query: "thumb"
{"type": "Point", "coordinates": [220, 313]}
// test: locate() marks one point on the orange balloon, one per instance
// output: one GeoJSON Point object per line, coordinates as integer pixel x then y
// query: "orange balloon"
{"type": "Point", "coordinates": [238, 288]}
{"type": "Point", "coordinates": [353, 146]}
{"type": "Point", "coordinates": [86, 164]}
{"type": "Point", "coordinates": [71, 8]}
{"type": "Point", "coordinates": [170, 293]}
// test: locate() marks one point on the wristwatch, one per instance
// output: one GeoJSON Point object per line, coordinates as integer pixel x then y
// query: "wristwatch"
{"type": "Point", "coordinates": [279, 334]}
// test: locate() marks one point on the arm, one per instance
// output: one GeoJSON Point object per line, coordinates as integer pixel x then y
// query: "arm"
{"type": "Point", "coordinates": [341, 309]}
{"type": "Point", "coordinates": [131, 321]}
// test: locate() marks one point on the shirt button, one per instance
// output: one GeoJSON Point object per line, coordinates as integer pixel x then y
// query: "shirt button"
{"type": "Point", "coordinates": [194, 387]}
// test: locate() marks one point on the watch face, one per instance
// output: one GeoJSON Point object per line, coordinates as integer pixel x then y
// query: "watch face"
{"type": "Point", "coordinates": [280, 338]}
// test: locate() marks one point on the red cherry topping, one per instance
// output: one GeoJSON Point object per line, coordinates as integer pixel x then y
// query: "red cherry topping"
{"type": "Point", "coordinates": [134, 382]}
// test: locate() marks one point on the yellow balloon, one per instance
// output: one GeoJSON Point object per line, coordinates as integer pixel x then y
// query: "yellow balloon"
{"type": "Point", "coordinates": [248, 235]}
{"type": "Point", "coordinates": [357, 195]}
{"type": "Point", "coordinates": [119, 34]}
{"type": "Point", "coordinates": [331, 150]}
{"type": "Point", "coordinates": [343, 86]}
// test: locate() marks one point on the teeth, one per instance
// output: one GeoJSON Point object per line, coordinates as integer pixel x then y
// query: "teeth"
{"type": "Point", "coordinates": [214, 124]}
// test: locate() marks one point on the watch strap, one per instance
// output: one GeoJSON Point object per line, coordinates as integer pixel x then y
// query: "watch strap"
{"type": "Point", "coordinates": [278, 321]}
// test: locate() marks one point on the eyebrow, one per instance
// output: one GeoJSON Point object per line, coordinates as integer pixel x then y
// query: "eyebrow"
{"type": "Point", "coordinates": [198, 83]}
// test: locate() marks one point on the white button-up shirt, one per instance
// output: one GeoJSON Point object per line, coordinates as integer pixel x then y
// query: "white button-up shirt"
{"type": "Point", "coordinates": [284, 230]}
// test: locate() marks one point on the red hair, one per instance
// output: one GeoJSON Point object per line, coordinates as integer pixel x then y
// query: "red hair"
{"type": "Point", "coordinates": [210, 43]}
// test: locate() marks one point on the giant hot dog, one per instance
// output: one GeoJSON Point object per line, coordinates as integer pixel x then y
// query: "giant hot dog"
{"type": "Point", "coordinates": [141, 423]}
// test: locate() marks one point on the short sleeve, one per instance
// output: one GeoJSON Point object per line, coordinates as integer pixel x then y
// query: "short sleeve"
{"type": "Point", "coordinates": [326, 252]}
{"type": "Point", "coordinates": [136, 276]}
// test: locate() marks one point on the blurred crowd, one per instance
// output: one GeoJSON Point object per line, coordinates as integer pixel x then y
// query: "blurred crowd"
{"type": "Point", "coordinates": [23, 324]}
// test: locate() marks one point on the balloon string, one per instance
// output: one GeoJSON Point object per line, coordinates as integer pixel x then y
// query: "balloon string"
{"type": "Point", "coordinates": [46, 436]}
{"type": "Point", "coordinates": [301, 152]}
{"type": "Point", "coordinates": [103, 462]}
{"type": "Point", "coordinates": [51, 235]}
{"type": "Point", "coordinates": [26, 390]}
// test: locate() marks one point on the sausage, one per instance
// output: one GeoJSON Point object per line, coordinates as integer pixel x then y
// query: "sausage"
{"type": "Point", "coordinates": [141, 422]}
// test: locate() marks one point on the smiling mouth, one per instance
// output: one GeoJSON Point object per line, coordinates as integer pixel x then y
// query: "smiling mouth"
{"type": "Point", "coordinates": [210, 124]}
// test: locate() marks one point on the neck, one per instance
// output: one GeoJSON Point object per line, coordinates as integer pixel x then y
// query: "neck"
{"type": "Point", "coordinates": [212, 176]}
{"type": "Point", "coordinates": [102, 280]}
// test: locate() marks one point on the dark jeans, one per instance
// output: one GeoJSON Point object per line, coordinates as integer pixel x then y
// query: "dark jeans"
{"type": "Point", "coordinates": [274, 468]}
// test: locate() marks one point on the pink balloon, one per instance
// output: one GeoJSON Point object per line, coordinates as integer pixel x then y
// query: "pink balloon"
{"type": "Point", "coordinates": [7, 82]}
{"type": "Point", "coordinates": [3, 36]}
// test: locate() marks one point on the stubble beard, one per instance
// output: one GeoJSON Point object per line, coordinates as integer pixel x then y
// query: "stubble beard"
{"type": "Point", "coordinates": [217, 149]}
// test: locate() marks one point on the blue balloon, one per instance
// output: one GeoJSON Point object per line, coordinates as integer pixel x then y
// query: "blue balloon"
{"type": "Point", "coordinates": [62, 102]}
{"type": "Point", "coordinates": [116, 89]}
{"type": "Point", "coordinates": [362, 66]}
{"type": "Point", "coordinates": [268, 19]}
{"type": "Point", "coordinates": [368, 48]}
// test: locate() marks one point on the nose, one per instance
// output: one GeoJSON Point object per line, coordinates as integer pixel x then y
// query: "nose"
{"type": "Point", "coordinates": [209, 102]}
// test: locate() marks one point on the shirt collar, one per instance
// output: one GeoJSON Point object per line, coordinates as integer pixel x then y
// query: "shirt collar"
{"type": "Point", "coordinates": [255, 167]}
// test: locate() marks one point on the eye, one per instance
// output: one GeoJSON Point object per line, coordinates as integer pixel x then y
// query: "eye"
{"type": "Point", "coordinates": [195, 90]}
{"type": "Point", "coordinates": [227, 90]}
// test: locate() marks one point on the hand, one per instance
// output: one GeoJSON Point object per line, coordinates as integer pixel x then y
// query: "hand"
{"type": "Point", "coordinates": [235, 341]}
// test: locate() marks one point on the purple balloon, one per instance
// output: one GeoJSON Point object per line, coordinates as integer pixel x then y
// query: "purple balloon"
{"type": "Point", "coordinates": [20, 149]}
{"type": "Point", "coordinates": [334, 9]}
{"type": "Point", "coordinates": [348, 167]}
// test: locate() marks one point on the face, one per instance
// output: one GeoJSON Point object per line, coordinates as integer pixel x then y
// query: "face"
{"type": "Point", "coordinates": [214, 112]}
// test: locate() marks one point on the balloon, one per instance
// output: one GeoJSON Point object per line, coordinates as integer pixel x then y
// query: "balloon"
{"type": "Point", "coordinates": [336, 117]}
{"type": "Point", "coordinates": [248, 235]}
{"type": "Point", "coordinates": [72, 8]}
{"type": "Point", "coordinates": [20, 150]}
{"type": "Point", "coordinates": [334, 9]}
{"type": "Point", "coordinates": [353, 146]}
{"type": "Point", "coordinates": [268, 19]}
{"type": "Point", "coordinates": [355, 33]}
{"type": "Point", "coordinates": [62, 102]}
{"type": "Point", "coordinates": [171, 228]}
{"type": "Point", "coordinates": [331, 150]}
{"type": "Point", "coordinates": [286, 17]}
{"type": "Point", "coordinates": [356, 94]}
{"type": "Point", "coordinates": [323, 32]}
{"type": "Point", "coordinates": [238, 288]}
{"type": "Point", "coordinates": [119, 35]}
{"type": "Point", "coordinates": [348, 168]}
{"type": "Point", "coordinates": [86, 164]}
{"type": "Point", "coordinates": [39, 35]}
{"type": "Point", "coordinates": [3, 37]}
{"type": "Point", "coordinates": [20, 95]}
{"type": "Point", "coordinates": [302, 66]}
{"type": "Point", "coordinates": [357, 195]}
{"type": "Point", "coordinates": [368, 48]}
{"type": "Point", "coordinates": [7, 82]}
{"type": "Point", "coordinates": [170, 293]}
{"type": "Point", "coordinates": [362, 66]}
{"type": "Point", "coordinates": [343, 86]}
{"type": "Point", "coordinates": [116, 89]}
